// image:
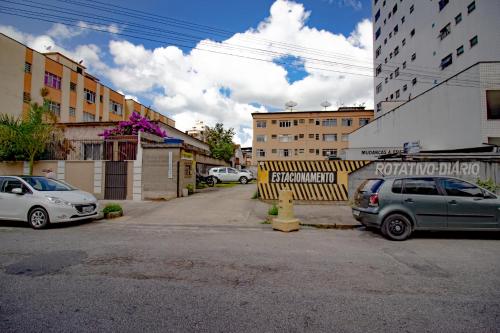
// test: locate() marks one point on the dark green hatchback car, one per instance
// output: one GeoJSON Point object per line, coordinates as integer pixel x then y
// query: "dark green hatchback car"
{"type": "Point", "coordinates": [398, 206]}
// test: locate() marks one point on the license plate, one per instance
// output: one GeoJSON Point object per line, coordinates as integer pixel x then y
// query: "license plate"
{"type": "Point", "coordinates": [88, 209]}
{"type": "Point", "coordinates": [355, 212]}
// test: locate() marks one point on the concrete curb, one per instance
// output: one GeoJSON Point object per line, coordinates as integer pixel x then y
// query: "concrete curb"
{"type": "Point", "coordinates": [332, 226]}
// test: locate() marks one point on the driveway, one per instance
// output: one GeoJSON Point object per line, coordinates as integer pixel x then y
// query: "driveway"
{"type": "Point", "coordinates": [226, 206]}
{"type": "Point", "coordinates": [180, 266]}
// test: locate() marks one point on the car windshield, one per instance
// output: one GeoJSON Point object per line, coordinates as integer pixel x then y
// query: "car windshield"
{"type": "Point", "coordinates": [46, 184]}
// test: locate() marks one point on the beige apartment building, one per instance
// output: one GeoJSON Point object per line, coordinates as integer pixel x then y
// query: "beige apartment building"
{"type": "Point", "coordinates": [75, 96]}
{"type": "Point", "coordinates": [305, 135]}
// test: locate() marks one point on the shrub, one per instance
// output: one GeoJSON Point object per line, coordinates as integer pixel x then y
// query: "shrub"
{"type": "Point", "coordinates": [190, 188]}
{"type": "Point", "coordinates": [273, 210]}
{"type": "Point", "coordinates": [112, 208]}
{"type": "Point", "coordinates": [489, 184]}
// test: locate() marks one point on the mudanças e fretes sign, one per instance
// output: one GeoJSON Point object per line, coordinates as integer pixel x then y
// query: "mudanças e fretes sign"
{"type": "Point", "coordinates": [308, 180]}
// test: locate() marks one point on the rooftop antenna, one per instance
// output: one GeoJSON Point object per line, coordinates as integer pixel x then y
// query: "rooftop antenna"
{"type": "Point", "coordinates": [290, 105]}
{"type": "Point", "coordinates": [326, 104]}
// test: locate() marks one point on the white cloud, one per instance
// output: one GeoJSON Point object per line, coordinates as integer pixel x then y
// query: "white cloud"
{"type": "Point", "coordinates": [214, 87]}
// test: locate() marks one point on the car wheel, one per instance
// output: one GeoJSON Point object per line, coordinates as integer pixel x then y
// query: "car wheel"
{"type": "Point", "coordinates": [211, 181]}
{"type": "Point", "coordinates": [38, 218]}
{"type": "Point", "coordinates": [243, 180]}
{"type": "Point", "coordinates": [396, 227]}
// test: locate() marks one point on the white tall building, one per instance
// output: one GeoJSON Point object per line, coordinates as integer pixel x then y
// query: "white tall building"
{"type": "Point", "coordinates": [418, 44]}
{"type": "Point", "coordinates": [437, 77]}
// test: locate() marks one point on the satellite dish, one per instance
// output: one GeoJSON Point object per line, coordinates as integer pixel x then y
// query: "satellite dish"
{"type": "Point", "coordinates": [291, 104]}
{"type": "Point", "coordinates": [326, 104]}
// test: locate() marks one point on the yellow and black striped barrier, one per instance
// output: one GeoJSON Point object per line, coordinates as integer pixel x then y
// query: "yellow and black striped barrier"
{"type": "Point", "coordinates": [308, 180]}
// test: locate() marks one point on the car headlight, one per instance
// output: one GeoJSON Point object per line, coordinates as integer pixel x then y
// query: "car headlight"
{"type": "Point", "coordinates": [59, 201]}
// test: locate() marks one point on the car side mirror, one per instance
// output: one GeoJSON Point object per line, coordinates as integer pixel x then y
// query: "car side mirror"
{"type": "Point", "coordinates": [17, 190]}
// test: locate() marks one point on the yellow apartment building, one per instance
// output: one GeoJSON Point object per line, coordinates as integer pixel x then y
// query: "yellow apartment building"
{"type": "Point", "coordinates": [305, 135]}
{"type": "Point", "coordinates": [75, 96]}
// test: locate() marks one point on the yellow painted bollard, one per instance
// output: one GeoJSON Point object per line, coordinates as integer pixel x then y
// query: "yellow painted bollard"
{"type": "Point", "coordinates": [286, 221]}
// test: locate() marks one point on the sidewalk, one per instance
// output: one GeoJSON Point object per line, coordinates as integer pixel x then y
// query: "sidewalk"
{"type": "Point", "coordinates": [228, 206]}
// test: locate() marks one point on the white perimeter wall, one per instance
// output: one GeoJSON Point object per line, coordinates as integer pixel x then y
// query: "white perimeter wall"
{"type": "Point", "coordinates": [446, 117]}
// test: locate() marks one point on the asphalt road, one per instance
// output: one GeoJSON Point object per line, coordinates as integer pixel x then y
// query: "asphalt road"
{"type": "Point", "coordinates": [153, 273]}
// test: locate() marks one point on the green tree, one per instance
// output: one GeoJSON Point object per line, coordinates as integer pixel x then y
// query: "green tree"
{"type": "Point", "coordinates": [27, 137]}
{"type": "Point", "coordinates": [220, 142]}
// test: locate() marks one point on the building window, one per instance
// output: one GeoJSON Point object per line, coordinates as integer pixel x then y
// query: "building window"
{"type": "Point", "coordinates": [445, 31]}
{"type": "Point", "coordinates": [396, 29]}
{"type": "Point", "coordinates": [72, 86]}
{"type": "Point", "coordinates": [317, 136]}
{"type": "Point", "coordinates": [274, 151]}
{"type": "Point", "coordinates": [377, 15]}
{"type": "Point", "coordinates": [397, 93]}
{"type": "Point", "coordinates": [405, 87]}
{"type": "Point", "coordinates": [403, 42]}
{"type": "Point", "coordinates": [54, 107]}
{"type": "Point", "coordinates": [115, 108]}
{"type": "Point", "coordinates": [52, 80]}
{"type": "Point", "coordinates": [471, 7]}
{"type": "Point", "coordinates": [311, 151]}
{"type": "Point", "coordinates": [311, 136]}
{"type": "Point", "coordinates": [378, 89]}
{"type": "Point", "coordinates": [473, 41]}
{"type": "Point", "coordinates": [396, 72]}
{"type": "Point", "coordinates": [296, 138]}
{"type": "Point", "coordinates": [317, 151]}
{"type": "Point", "coordinates": [72, 112]}
{"type": "Point", "coordinates": [413, 57]}
{"type": "Point", "coordinates": [446, 61]}
{"type": "Point", "coordinates": [329, 122]}
{"type": "Point", "coordinates": [395, 9]}
{"type": "Point", "coordinates": [377, 52]}
{"type": "Point", "coordinates": [274, 136]}
{"type": "Point", "coordinates": [396, 51]}
{"type": "Point", "coordinates": [329, 152]}
{"type": "Point", "coordinates": [330, 137]}
{"type": "Point", "coordinates": [390, 76]}
{"type": "Point", "coordinates": [404, 65]}
{"type": "Point", "coordinates": [403, 19]}
{"type": "Point", "coordinates": [344, 137]}
{"type": "Point", "coordinates": [412, 8]}
{"type": "Point", "coordinates": [285, 138]}
{"type": "Point", "coordinates": [284, 152]}
{"type": "Point", "coordinates": [285, 123]}
{"type": "Point", "coordinates": [92, 151]}
{"type": "Point", "coordinates": [378, 70]}
{"type": "Point", "coordinates": [363, 121]}
{"type": "Point", "coordinates": [27, 67]}
{"type": "Point", "coordinates": [311, 121]}
{"type": "Point", "coordinates": [79, 70]}
{"type": "Point", "coordinates": [261, 153]}
{"type": "Point", "coordinates": [493, 104]}
{"type": "Point", "coordinates": [318, 122]}
{"type": "Point", "coordinates": [26, 97]}
{"type": "Point", "coordinates": [88, 116]}
{"type": "Point", "coordinates": [379, 106]}
{"type": "Point", "coordinates": [301, 151]}
{"type": "Point", "coordinates": [302, 121]}
{"type": "Point", "coordinates": [89, 96]}
{"type": "Point", "coordinates": [377, 34]}
{"type": "Point", "coordinates": [442, 4]}
{"type": "Point", "coordinates": [458, 18]}
{"type": "Point", "coordinates": [261, 124]}
{"type": "Point", "coordinates": [273, 121]}
{"type": "Point", "coordinates": [261, 138]}
{"type": "Point", "coordinates": [460, 50]}
{"type": "Point", "coordinates": [414, 81]}
{"type": "Point", "coordinates": [386, 80]}
{"type": "Point", "coordinates": [412, 32]}
{"type": "Point", "coordinates": [346, 121]}
{"type": "Point", "coordinates": [295, 122]}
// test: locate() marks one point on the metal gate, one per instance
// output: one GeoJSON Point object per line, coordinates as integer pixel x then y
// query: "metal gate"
{"type": "Point", "coordinates": [116, 180]}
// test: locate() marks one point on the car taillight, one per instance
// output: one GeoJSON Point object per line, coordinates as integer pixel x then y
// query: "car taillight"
{"type": "Point", "coordinates": [374, 199]}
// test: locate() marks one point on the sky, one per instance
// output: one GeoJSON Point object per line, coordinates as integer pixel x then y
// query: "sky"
{"type": "Point", "coordinates": [215, 61]}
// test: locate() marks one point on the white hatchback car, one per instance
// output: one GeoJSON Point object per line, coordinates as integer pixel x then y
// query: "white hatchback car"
{"type": "Point", "coordinates": [225, 174]}
{"type": "Point", "coordinates": [41, 200]}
